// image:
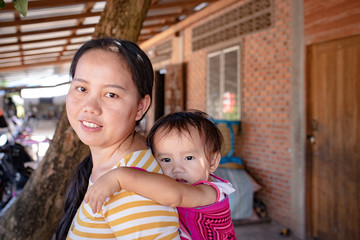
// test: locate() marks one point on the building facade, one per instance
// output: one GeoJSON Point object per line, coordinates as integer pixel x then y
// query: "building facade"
{"type": "Point", "coordinates": [251, 61]}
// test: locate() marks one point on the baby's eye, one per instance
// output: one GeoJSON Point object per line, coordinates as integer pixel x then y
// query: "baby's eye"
{"type": "Point", "coordinates": [81, 89]}
{"type": "Point", "coordinates": [166, 160]}
{"type": "Point", "coordinates": [189, 158]}
{"type": "Point", "coordinates": [111, 95]}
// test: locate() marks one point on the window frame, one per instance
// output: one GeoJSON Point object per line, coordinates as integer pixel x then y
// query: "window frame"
{"type": "Point", "coordinates": [222, 53]}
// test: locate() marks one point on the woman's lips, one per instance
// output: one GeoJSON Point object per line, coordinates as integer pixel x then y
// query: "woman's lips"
{"type": "Point", "coordinates": [90, 124]}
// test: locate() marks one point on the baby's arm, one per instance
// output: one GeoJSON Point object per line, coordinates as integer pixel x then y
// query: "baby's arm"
{"type": "Point", "coordinates": [157, 187]}
{"type": "Point", "coordinates": [106, 185]}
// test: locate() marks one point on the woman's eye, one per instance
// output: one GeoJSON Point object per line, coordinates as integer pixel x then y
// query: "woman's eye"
{"type": "Point", "coordinates": [111, 95]}
{"type": "Point", "coordinates": [165, 160]}
{"type": "Point", "coordinates": [189, 158]}
{"type": "Point", "coordinates": [81, 89]}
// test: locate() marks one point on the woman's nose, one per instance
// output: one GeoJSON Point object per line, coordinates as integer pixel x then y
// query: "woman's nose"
{"type": "Point", "coordinates": [92, 106]}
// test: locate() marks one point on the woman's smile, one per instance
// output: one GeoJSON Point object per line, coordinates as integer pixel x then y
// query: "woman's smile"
{"type": "Point", "coordinates": [90, 125]}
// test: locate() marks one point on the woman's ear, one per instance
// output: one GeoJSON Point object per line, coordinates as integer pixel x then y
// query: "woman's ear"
{"type": "Point", "coordinates": [215, 161]}
{"type": "Point", "coordinates": [143, 107]}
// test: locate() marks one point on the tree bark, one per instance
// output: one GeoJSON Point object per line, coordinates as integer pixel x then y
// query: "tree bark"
{"type": "Point", "coordinates": [122, 19]}
{"type": "Point", "coordinates": [36, 212]}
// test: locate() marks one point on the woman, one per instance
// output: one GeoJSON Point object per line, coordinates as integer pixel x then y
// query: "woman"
{"type": "Point", "coordinates": [110, 93]}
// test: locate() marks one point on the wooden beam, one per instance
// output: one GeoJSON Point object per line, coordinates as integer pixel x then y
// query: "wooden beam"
{"type": "Point", "coordinates": [49, 19]}
{"type": "Point", "coordinates": [41, 48]}
{"type": "Point", "coordinates": [15, 89]}
{"type": "Point", "coordinates": [47, 31]}
{"type": "Point", "coordinates": [178, 4]}
{"type": "Point", "coordinates": [36, 54]}
{"type": "Point", "coordinates": [44, 40]}
{"type": "Point", "coordinates": [51, 3]}
{"type": "Point", "coordinates": [27, 66]}
{"type": "Point", "coordinates": [163, 16]}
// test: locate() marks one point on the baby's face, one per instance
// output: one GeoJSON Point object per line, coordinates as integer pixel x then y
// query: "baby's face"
{"type": "Point", "coordinates": [182, 156]}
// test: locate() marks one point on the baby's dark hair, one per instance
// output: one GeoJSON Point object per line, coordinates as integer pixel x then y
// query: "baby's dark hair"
{"type": "Point", "coordinates": [182, 121]}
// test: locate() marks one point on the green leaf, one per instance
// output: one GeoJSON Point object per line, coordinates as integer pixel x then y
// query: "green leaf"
{"type": "Point", "coordinates": [21, 6]}
{"type": "Point", "coordinates": [2, 4]}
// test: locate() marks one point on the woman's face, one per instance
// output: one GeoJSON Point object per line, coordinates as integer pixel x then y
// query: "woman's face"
{"type": "Point", "coordinates": [103, 103]}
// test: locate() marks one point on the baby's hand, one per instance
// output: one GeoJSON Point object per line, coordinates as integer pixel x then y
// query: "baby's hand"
{"type": "Point", "coordinates": [106, 185]}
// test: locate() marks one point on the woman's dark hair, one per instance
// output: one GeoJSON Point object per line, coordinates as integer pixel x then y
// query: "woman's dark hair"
{"type": "Point", "coordinates": [182, 121]}
{"type": "Point", "coordinates": [142, 74]}
{"type": "Point", "coordinates": [74, 195]}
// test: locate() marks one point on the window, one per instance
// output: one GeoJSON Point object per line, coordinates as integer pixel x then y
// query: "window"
{"type": "Point", "coordinates": [223, 84]}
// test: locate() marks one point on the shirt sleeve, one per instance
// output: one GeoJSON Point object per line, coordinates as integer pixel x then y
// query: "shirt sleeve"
{"type": "Point", "coordinates": [224, 188]}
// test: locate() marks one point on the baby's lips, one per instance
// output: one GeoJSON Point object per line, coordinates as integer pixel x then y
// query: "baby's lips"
{"type": "Point", "coordinates": [181, 180]}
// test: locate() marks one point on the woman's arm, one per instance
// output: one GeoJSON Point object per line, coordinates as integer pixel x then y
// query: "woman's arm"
{"type": "Point", "coordinates": [157, 187]}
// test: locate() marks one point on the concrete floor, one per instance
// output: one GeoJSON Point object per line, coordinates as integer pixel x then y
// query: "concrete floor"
{"type": "Point", "coordinates": [261, 231]}
{"type": "Point", "coordinates": [42, 130]}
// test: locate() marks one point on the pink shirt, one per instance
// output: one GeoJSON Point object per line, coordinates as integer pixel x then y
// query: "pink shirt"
{"type": "Point", "coordinates": [212, 221]}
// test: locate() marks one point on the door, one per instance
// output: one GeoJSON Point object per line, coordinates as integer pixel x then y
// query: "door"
{"type": "Point", "coordinates": [174, 88]}
{"type": "Point", "coordinates": [333, 129]}
{"type": "Point", "coordinates": [158, 95]}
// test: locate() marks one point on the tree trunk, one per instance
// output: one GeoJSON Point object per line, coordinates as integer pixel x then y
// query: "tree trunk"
{"type": "Point", "coordinates": [36, 212]}
{"type": "Point", "coordinates": [122, 19]}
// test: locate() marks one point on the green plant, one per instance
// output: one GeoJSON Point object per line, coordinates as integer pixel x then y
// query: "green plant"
{"type": "Point", "coordinates": [20, 5]}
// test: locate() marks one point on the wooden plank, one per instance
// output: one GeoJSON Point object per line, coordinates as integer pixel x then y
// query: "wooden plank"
{"type": "Point", "coordinates": [174, 89]}
{"type": "Point", "coordinates": [49, 19]}
{"type": "Point", "coordinates": [335, 124]}
{"type": "Point", "coordinates": [20, 34]}
{"type": "Point", "coordinates": [52, 3]}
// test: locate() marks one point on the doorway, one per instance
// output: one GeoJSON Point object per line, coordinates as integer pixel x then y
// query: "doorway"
{"type": "Point", "coordinates": [170, 89]}
{"type": "Point", "coordinates": [333, 133]}
{"type": "Point", "coordinates": [159, 94]}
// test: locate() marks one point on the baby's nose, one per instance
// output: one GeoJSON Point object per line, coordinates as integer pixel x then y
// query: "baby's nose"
{"type": "Point", "coordinates": [177, 168]}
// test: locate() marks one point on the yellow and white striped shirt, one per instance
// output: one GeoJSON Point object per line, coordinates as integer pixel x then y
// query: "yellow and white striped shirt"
{"type": "Point", "coordinates": [127, 215]}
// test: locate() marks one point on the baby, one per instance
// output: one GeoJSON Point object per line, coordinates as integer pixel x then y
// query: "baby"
{"type": "Point", "coordinates": [187, 146]}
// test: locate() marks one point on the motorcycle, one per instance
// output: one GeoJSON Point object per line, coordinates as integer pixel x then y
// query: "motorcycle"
{"type": "Point", "coordinates": [13, 170]}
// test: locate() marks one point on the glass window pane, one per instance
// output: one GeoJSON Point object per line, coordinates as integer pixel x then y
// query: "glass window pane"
{"type": "Point", "coordinates": [213, 98]}
{"type": "Point", "coordinates": [230, 96]}
{"type": "Point", "coordinates": [223, 85]}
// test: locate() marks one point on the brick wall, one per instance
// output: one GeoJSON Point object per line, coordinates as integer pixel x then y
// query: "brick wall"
{"type": "Point", "coordinates": [266, 96]}
{"type": "Point", "coordinates": [196, 75]}
{"type": "Point", "coordinates": [327, 20]}
{"type": "Point", "coordinates": [265, 143]}
{"type": "Point", "coordinates": [266, 111]}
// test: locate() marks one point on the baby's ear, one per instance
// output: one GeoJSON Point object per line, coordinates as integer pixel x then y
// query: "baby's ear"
{"type": "Point", "coordinates": [215, 161]}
